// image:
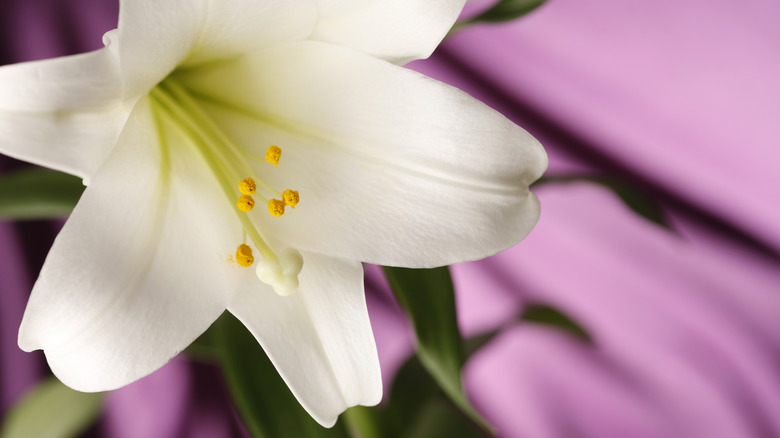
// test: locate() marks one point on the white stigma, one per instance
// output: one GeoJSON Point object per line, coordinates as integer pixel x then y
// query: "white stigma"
{"type": "Point", "coordinates": [281, 273]}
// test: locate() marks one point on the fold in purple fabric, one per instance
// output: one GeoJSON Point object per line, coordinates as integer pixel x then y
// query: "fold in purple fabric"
{"type": "Point", "coordinates": [682, 100]}
{"type": "Point", "coordinates": [685, 336]}
{"type": "Point", "coordinates": [679, 98]}
{"type": "Point", "coordinates": [682, 94]}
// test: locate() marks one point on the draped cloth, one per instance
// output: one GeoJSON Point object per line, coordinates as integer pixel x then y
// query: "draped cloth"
{"type": "Point", "coordinates": [679, 99]}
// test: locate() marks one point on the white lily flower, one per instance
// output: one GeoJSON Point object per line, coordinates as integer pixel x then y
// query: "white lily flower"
{"type": "Point", "coordinates": [181, 106]}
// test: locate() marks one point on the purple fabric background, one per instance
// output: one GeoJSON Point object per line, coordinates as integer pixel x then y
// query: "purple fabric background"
{"type": "Point", "coordinates": [681, 98]}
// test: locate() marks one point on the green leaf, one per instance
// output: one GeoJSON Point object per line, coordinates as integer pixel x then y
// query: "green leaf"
{"type": "Point", "coordinates": [436, 419]}
{"type": "Point", "coordinates": [365, 422]}
{"type": "Point", "coordinates": [263, 400]}
{"type": "Point", "coordinates": [550, 316]}
{"type": "Point", "coordinates": [38, 194]}
{"type": "Point", "coordinates": [52, 410]}
{"type": "Point", "coordinates": [417, 407]}
{"type": "Point", "coordinates": [412, 387]}
{"type": "Point", "coordinates": [506, 10]}
{"type": "Point", "coordinates": [428, 298]}
{"type": "Point", "coordinates": [414, 397]}
{"type": "Point", "coordinates": [475, 343]}
{"type": "Point", "coordinates": [634, 197]}
{"type": "Point", "coordinates": [536, 314]}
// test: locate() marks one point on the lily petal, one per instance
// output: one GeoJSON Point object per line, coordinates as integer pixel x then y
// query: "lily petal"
{"type": "Point", "coordinates": [157, 36]}
{"type": "Point", "coordinates": [392, 167]}
{"type": "Point", "coordinates": [398, 31]}
{"type": "Point", "coordinates": [319, 338]}
{"type": "Point", "coordinates": [139, 270]}
{"type": "Point", "coordinates": [62, 113]}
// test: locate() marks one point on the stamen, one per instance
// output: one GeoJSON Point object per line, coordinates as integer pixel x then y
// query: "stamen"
{"type": "Point", "coordinates": [273, 154]}
{"type": "Point", "coordinates": [276, 207]}
{"type": "Point", "coordinates": [180, 111]}
{"type": "Point", "coordinates": [244, 255]}
{"type": "Point", "coordinates": [291, 198]}
{"type": "Point", "coordinates": [246, 203]}
{"type": "Point", "coordinates": [247, 186]}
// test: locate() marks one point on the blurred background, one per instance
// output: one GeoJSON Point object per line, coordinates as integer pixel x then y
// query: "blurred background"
{"type": "Point", "coordinates": [658, 237]}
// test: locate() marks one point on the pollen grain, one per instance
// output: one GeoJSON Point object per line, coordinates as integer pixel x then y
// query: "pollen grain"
{"type": "Point", "coordinates": [247, 186]}
{"type": "Point", "coordinates": [291, 197]}
{"type": "Point", "coordinates": [244, 255]}
{"type": "Point", "coordinates": [273, 154]}
{"type": "Point", "coordinates": [276, 207]}
{"type": "Point", "coordinates": [245, 203]}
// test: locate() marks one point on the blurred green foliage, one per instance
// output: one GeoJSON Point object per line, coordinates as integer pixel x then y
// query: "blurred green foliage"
{"type": "Point", "coordinates": [506, 10]}
{"type": "Point", "coordinates": [52, 410]}
{"type": "Point", "coordinates": [38, 194]}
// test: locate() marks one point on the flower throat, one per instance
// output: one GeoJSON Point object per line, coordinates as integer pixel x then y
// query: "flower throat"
{"type": "Point", "coordinates": [175, 108]}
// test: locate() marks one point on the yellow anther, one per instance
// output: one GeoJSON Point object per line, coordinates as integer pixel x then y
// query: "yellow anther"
{"type": "Point", "coordinates": [246, 203]}
{"type": "Point", "coordinates": [244, 255]}
{"type": "Point", "coordinates": [247, 186]}
{"type": "Point", "coordinates": [273, 154]}
{"type": "Point", "coordinates": [291, 198]}
{"type": "Point", "coordinates": [276, 207]}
